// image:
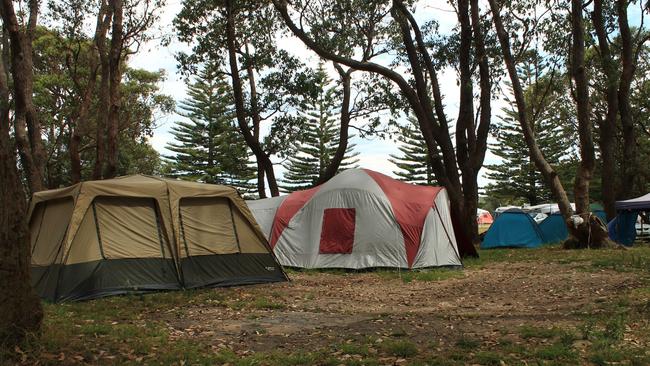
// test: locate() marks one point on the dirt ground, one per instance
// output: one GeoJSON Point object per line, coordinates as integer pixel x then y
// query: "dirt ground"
{"type": "Point", "coordinates": [316, 310]}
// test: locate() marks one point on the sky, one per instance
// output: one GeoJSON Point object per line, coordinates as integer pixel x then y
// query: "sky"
{"type": "Point", "coordinates": [373, 153]}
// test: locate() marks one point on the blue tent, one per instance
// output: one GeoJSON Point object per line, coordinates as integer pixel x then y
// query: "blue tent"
{"type": "Point", "coordinates": [622, 228]}
{"type": "Point", "coordinates": [513, 229]}
{"type": "Point", "coordinates": [554, 229]}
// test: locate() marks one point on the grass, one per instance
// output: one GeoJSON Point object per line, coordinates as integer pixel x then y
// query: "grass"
{"type": "Point", "coordinates": [400, 348]}
{"type": "Point", "coordinates": [134, 330]}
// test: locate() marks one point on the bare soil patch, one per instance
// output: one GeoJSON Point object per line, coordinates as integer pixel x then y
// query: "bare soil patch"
{"type": "Point", "coordinates": [316, 310]}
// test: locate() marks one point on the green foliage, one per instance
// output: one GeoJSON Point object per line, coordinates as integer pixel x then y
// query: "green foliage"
{"type": "Point", "coordinates": [61, 69]}
{"type": "Point", "coordinates": [278, 80]}
{"type": "Point", "coordinates": [207, 146]}
{"type": "Point", "coordinates": [319, 140]}
{"type": "Point", "coordinates": [413, 162]}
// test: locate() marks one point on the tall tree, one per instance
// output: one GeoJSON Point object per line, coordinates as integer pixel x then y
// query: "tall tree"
{"type": "Point", "coordinates": [589, 232]}
{"type": "Point", "coordinates": [266, 82]}
{"type": "Point", "coordinates": [130, 22]}
{"type": "Point", "coordinates": [27, 127]}
{"type": "Point", "coordinates": [321, 139]}
{"type": "Point", "coordinates": [207, 146]}
{"type": "Point", "coordinates": [22, 313]}
{"type": "Point", "coordinates": [413, 162]}
{"type": "Point", "coordinates": [58, 90]}
{"type": "Point", "coordinates": [456, 165]}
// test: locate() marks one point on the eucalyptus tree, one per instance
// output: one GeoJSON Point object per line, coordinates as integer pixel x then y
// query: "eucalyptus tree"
{"type": "Point", "coordinates": [22, 312]}
{"type": "Point", "coordinates": [355, 31]}
{"type": "Point", "coordinates": [588, 232]}
{"type": "Point", "coordinates": [19, 30]}
{"type": "Point", "coordinates": [267, 83]}
{"type": "Point", "coordinates": [101, 36]}
{"type": "Point", "coordinates": [618, 67]}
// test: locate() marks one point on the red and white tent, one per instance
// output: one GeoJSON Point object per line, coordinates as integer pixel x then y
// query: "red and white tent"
{"type": "Point", "coordinates": [483, 217]}
{"type": "Point", "coordinates": [363, 219]}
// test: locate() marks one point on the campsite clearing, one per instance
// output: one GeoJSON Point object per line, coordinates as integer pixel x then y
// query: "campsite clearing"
{"type": "Point", "coordinates": [509, 307]}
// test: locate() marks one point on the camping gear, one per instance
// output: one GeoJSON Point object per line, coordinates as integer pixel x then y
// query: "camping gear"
{"type": "Point", "coordinates": [622, 227]}
{"type": "Point", "coordinates": [513, 228]}
{"type": "Point", "coordinates": [364, 219]}
{"type": "Point", "coordinates": [141, 233]}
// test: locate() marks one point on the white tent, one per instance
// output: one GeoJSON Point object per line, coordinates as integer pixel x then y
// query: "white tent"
{"type": "Point", "coordinates": [264, 211]}
{"type": "Point", "coordinates": [363, 219]}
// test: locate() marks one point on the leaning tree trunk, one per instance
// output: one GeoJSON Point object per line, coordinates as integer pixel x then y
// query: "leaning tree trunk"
{"type": "Point", "coordinates": [257, 121]}
{"type": "Point", "coordinates": [339, 154]}
{"type": "Point", "coordinates": [549, 174]}
{"type": "Point", "coordinates": [22, 313]}
{"type": "Point", "coordinates": [262, 158]}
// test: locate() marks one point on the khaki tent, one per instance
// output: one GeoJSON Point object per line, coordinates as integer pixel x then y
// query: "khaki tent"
{"type": "Point", "coordinates": [140, 233]}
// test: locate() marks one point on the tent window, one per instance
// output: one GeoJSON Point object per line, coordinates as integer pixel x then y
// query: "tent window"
{"type": "Point", "coordinates": [337, 231]}
{"type": "Point", "coordinates": [207, 226]}
{"type": "Point", "coordinates": [48, 226]}
{"type": "Point", "coordinates": [128, 227]}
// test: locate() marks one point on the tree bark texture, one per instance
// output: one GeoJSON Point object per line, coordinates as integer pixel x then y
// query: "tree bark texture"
{"type": "Point", "coordinates": [627, 76]}
{"type": "Point", "coordinates": [257, 121]}
{"type": "Point", "coordinates": [579, 74]}
{"type": "Point", "coordinates": [104, 101]}
{"type": "Point", "coordinates": [607, 126]}
{"type": "Point", "coordinates": [21, 309]}
{"type": "Point", "coordinates": [27, 126]}
{"type": "Point", "coordinates": [79, 128]}
{"type": "Point", "coordinates": [115, 80]}
{"type": "Point", "coordinates": [339, 154]}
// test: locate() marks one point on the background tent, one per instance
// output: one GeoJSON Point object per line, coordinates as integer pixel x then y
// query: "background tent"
{"type": "Point", "coordinates": [364, 219]}
{"type": "Point", "coordinates": [483, 217]}
{"type": "Point", "coordinates": [513, 229]}
{"type": "Point", "coordinates": [138, 233]}
{"type": "Point", "coordinates": [264, 212]}
{"type": "Point", "coordinates": [554, 229]}
{"type": "Point", "coordinates": [622, 228]}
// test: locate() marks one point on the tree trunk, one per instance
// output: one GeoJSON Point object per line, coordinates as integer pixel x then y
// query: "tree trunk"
{"type": "Point", "coordinates": [257, 121]}
{"type": "Point", "coordinates": [104, 106]}
{"type": "Point", "coordinates": [261, 187]}
{"type": "Point", "coordinates": [627, 75]}
{"type": "Point", "coordinates": [579, 73]}
{"type": "Point", "coordinates": [607, 126]}
{"type": "Point", "coordinates": [536, 154]}
{"type": "Point", "coordinates": [339, 155]}
{"type": "Point", "coordinates": [27, 126]}
{"type": "Point", "coordinates": [262, 158]}
{"type": "Point", "coordinates": [115, 80]}
{"type": "Point", "coordinates": [22, 313]}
